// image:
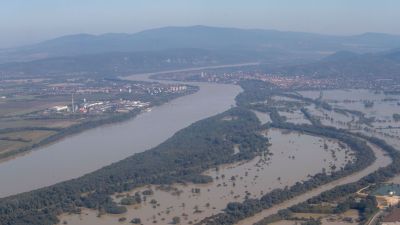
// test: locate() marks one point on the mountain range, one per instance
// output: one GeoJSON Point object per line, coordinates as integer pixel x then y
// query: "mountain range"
{"type": "Point", "coordinates": [202, 37]}
{"type": "Point", "coordinates": [289, 53]}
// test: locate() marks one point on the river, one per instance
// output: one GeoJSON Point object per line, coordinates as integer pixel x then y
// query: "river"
{"type": "Point", "coordinates": [93, 149]}
{"type": "Point", "coordinates": [289, 152]}
{"type": "Point", "coordinates": [88, 151]}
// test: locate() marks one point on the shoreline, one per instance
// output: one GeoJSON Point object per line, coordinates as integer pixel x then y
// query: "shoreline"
{"type": "Point", "coordinates": [11, 155]}
{"type": "Point", "coordinates": [76, 129]}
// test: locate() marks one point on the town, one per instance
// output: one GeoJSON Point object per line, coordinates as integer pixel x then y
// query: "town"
{"type": "Point", "coordinates": [286, 82]}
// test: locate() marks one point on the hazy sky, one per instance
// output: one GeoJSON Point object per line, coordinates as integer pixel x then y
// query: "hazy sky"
{"type": "Point", "coordinates": [29, 21]}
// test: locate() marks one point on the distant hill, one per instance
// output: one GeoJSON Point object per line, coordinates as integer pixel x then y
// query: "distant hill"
{"type": "Point", "coordinates": [202, 37]}
{"type": "Point", "coordinates": [122, 63]}
{"type": "Point", "coordinates": [347, 64]}
{"type": "Point", "coordinates": [340, 56]}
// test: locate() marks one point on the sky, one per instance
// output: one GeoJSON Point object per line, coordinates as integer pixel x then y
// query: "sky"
{"type": "Point", "coordinates": [24, 22]}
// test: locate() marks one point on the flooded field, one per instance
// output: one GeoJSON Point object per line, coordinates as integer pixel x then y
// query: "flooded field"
{"type": "Point", "coordinates": [294, 116]}
{"type": "Point", "coordinates": [378, 108]}
{"type": "Point", "coordinates": [332, 118]}
{"type": "Point", "coordinates": [284, 98]}
{"type": "Point", "coordinates": [263, 117]}
{"type": "Point", "coordinates": [382, 106]}
{"type": "Point", "coordinates": [283, 166]}
{"type": "Point", "coordinates": [382, 160]}
{"type": "Point", "coordinates": [347, 94]}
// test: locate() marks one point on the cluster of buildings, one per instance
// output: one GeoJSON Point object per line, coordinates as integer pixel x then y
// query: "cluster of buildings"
{"type": "Point", "coordinates": [108, 87]}
{"type": "Point", "coordinates": [166, 89]}
{"type": "Point", "coordinates": [387, 195]}
{"type": "Point", "coordinates": [98, 107]}
{"type": "Point", "coordinates": [282, 81]}
{"type": "Point", "coordinates": [84, 86]}
{"type": "Point", "coordinates": [296, 82]}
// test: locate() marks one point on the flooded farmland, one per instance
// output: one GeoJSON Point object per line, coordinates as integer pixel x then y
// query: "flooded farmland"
{"type": "Point", "coordinates": [378, 113]}
{"type": "Point", "coordinates": [283, 166]}
{"type": "Point", "coordinates": [381, 161]}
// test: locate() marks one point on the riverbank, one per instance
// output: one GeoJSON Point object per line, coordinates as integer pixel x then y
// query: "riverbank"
{"type": "Point", "coordinates": [45, 114]}
{"type": "Point", "coordinates": [93, 149]}
{"type": "Point", "coordinates": [61, 133]}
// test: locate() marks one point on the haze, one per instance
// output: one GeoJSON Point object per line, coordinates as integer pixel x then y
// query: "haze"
{"type": "Point", "coordinates": [26, 22]}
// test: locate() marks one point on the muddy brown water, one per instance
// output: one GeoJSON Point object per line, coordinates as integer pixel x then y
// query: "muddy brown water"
{"type": "Point", "coordinates": [291, 151]}
{"type": "Point", "coordinates": [93, 149]}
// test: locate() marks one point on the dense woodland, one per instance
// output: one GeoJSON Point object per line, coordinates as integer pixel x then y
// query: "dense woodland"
{"type": "Point", "coordinates": [182, 158]}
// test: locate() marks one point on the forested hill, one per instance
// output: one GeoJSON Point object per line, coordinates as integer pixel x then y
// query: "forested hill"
{"type": "Point", "coordinates": [203, 37]}
{"type": "Point", "coordinates": [123, 63]}
{"type": "Point", "coordinates": [172, 48]}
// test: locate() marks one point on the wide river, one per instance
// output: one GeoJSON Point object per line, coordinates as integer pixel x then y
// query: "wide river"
{"type": "Point", "coordinates": [90, 150]}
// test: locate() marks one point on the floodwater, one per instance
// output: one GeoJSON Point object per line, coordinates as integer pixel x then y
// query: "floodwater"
{"type": "Point", "coordinates": [90, 150]}
{"type": "Point", "coordinates": [284, 166]}
{"type": "Point", "coordinates": [294, 116]}
{"type": "Point", "coordinates": [381, 161]}
{"type": "Point", "coordinates": [382, 111]}
{"type": "Point", "coordinates": [262, 117]}
{"type": "Point", "coordinates": [384, 105]}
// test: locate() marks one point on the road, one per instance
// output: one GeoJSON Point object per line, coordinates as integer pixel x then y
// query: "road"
{"type": "Point", "coordinates": [373, 221]}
